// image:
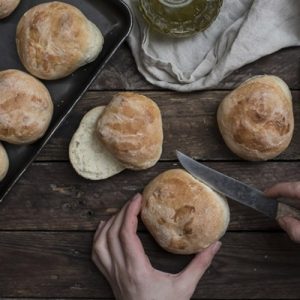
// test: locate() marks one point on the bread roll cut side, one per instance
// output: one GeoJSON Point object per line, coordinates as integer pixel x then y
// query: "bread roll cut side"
{"type": "Point", "coordinates": [256, 120]}
{"type": "Point", "coordinates": [88, 156]}
{"type": "Point", "coordinates": [183, 215]}
{"type": "Point", "coordinates": [4, 162]}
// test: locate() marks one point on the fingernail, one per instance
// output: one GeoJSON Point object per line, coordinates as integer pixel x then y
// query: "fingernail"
{"type": "Point", "coordinates": [216, 247]}
{"type": "Point", "coordinates": [136, 197]}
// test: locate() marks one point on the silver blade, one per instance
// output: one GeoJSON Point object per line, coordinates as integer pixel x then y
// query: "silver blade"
{"type": "Point", "coordinates": [230, 187]}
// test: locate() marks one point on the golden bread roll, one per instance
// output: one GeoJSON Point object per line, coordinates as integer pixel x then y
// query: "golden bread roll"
{"type": "Point", "coordinates": [4, 162]}
{"type": "Point", "coordinates": [26, 107]}
{"type": "Point", "coordinates": [256, 120]}
{"type": "Point", "coordinates": [130, 127]}
{"type": "Point", "coordinates": [54, 39]}
{"type": "Point", "coordinates": [88, 156]}
{"type": "Point", "coordinates": [7, 7]}
{"type": "Point", "coordinates": [184, 215]}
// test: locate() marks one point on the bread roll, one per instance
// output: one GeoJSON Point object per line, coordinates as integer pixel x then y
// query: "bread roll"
{"type": "Point", "coordinates": [7, 7]}
{"type": "Point", "coordinates": [54, 39]}
{"type": "Point", "coordinates": [4, 163]}
{"type": "Point", "coordinates": [26, 107]}
{"type": "Point", "coordinates": [130, 127]}
{"type": "Point", "coordinates": [88, 156]}
{"type": "Point", "coordinates": [256, 119]}
{"type": "Point", "coordinates": [183, 215]}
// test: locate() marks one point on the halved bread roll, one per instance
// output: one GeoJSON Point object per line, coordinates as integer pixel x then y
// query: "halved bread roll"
{"type": "Point", "coordinates": [54, 39]}
{"type": "Point", "coordinates": [256, 120]}
{"type": "Point", "coordinates": [88, 156]}
{"type": "Point", "coordinates": [4, 162]}
{"type": "Point", "coordinates": [183, 215]}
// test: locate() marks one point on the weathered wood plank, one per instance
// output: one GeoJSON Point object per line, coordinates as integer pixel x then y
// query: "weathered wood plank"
{"type": "Point", "coordinates": [189, 125]}
{"type": "Point", "coordinates": [51, 196]}
{"type": "Point", "coordinates": [121, 73]}
{"type": "Point", "coordinates": [58, 265]}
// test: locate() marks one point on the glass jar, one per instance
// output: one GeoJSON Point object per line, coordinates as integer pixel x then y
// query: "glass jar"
{"type": "Point", "coordinates": [180, 18]}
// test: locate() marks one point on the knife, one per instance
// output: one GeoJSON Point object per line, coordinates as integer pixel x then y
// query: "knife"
{"type": "Point", "coordinates": [237, 190]}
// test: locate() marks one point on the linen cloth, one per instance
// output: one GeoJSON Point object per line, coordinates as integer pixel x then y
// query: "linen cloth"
{"type": "Point", "coordinates": [244, 31]}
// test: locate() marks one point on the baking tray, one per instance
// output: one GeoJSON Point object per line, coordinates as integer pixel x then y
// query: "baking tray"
{"type": "Point", "coordinates": [114, 19]}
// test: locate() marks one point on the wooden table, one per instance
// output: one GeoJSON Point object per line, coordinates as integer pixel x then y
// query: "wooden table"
{"type": "Point", "coordinates": [48, 220]}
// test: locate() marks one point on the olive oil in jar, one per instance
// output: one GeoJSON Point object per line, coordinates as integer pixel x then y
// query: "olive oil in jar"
{"type": "Point", "coordinates": [180, 18]}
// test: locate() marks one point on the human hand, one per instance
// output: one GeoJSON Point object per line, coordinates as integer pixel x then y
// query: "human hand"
{"type": "Point", "coordinates": [290, 190]}
{"type": "Point", "coordinates": [119, 255]}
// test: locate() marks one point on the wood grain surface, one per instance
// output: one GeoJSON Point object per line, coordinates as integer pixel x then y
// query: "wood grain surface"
{"type": "Point", "coordinates": [189, 122]}
{"type": "Point", "coordinates": [48, 220]}
{"type": "Point", "coordinates": [51, 265]}
{"type": "Point", "coordinates": [62, 200]}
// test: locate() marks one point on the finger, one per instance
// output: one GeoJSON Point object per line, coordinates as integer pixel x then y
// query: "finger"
{"type": "Point", "coordinates": [106, 227]}
{"type": "Point", "coordinates": [98, 243]}
{"type": "Point", "coordinates": [133, 248]}
{"type": "Point", "coordinates": [101, 247]}
{"type": "Point", "coordinates": [197, 267]}
{"type": "Point", "coordinates": [103, 270]}
{"type": "Point", "coordinates": [99, 265]}
{"type": "Point", "coordinates": [131, 221]}
{"type": "Point", "coordinates": [292, 227]}
{"type": "Point", "coordinates": [285, 189]}
{"type": "Point", "coordinates": [99, 228]}
{"type": "Point", "coordinates": [113, 241]}
{"type": "Point", "coordinates": [97, 249]}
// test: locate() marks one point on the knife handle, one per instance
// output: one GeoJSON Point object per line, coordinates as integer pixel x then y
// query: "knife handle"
{"type": "Point", "coordinates": [285, 210]}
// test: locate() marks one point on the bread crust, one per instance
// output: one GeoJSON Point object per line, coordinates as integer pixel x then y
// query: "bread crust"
{"type": "Point", "coordinates": [54, 39]}
{"type": "Point", "coordinates": [183, 215]}
{"type": "Point", "coordinates": [256, 120]}
{"type": "Point", "coordinates": [7, 7]}
{"type": "Point", "coordinates": [130, 127]}
{"type": "Point", "coordinates": [4, 162]}
{"type": "Point", "coordinates": [26, 107]}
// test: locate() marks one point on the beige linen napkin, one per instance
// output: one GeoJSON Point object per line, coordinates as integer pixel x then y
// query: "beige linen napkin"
{"type": "Point", "coordinates": [244, 31]}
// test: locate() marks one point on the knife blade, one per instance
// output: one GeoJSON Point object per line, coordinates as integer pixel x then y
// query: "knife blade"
{"type": "Point", "coordinates": [236, 190]}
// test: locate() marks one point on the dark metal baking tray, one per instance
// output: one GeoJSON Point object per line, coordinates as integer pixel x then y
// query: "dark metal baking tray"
{"type": "Point", "coordinates": [114, 19]}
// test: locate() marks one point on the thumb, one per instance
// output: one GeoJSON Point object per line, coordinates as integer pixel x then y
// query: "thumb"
{"type": "Point", "coordinates": [197, 267]}
{"type": "Point", "coordinates": [292, 227]}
